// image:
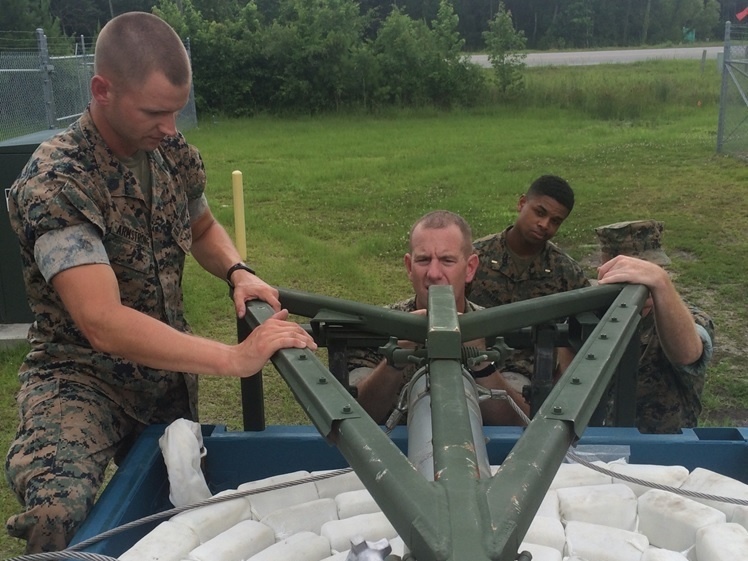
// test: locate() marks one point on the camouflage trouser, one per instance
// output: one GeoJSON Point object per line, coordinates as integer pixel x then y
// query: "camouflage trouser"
{"type": "Point", "coordinates": [67, 435]}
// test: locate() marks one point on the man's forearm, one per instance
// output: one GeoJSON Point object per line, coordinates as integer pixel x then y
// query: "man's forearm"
{"type": "Point", "coordinates": [378, 392]}
{"type": "Point", "coordinates": [212, 247]}
{"type": "Point", "coordinates": [675, 326]}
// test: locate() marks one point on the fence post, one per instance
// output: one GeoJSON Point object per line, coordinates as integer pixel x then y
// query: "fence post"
{"type": "Point", "coordinates": [46, 68]}
{"type": "Point", "coordinates": [723, 90]}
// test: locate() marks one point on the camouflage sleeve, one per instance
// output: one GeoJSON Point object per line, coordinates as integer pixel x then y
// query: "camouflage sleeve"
{"type": "Point", "coordinates": [571, 272]}
{"type": "Point", "coordinates": [186, 165]}
{"type": "Point", "coordinates": [196, 178]}
{"type": "Point", "coordinates": [45, 206]}
{"type": "Point", "coordinates": [68, 247]}
{"type": "Point", "coordinates": [705, 329]}
{"type": "Point", "coordinates": [197, 207]}
{"type": "Point", "coordinates": [363, 357]}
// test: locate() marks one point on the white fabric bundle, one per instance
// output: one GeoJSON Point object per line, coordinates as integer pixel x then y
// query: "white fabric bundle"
{"type": "Point", "coordinates": [332, 486]}
{"type": "Point", "coordinates": [370, 527]}
{"type": "Point", "coordinates": [304, 546]}
{"type": "Point", "coordinates": [303, 517]}
{"type": "Point", "coordinates": [709, 482]}
{"type": "Point", "coordinates": [352, 503]}
{"type": "Point", "coordinates": [656, 554]}
{"type": "Point", "coordinates": [670, 521]}
{"type": "Point", "coordinates": [740, 516]}
{"type": "Point", "coordinates": [577, 475]}
{"type": "Point", "coordinates": [601, 543]}
{"type": "Point", "coordinates": [169, 541]}
{"type": "Point", "coordinates": [266, 502]}
{"type": "Point", "coordinates": [541, 552]}
{"type": "Point", "coordinates": [242, 540]}
{"type": "Point", "coordinates": [209, 521]}
{"type": "Point", "coordinates": [672, 476]}
{"type": "Point", "coordinates": [593, 503]}
{"type": "Point", "coordinates": [549, 506]}
{"type": "Point", "coordinates": [722, 542]}
{"type": "Point", "coordinates": [546, 531]}
{"type": "Point", "coordinates": [182, 448]}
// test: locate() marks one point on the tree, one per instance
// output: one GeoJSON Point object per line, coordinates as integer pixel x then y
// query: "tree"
{"type": "Point", "coordinates": [78, 17]}
{"type": "Point", "coordinates": [504, 43]}
{"type": "Point", "coordinates": [312, 46]}
{"type": "Point", "coordinates": [574, 24]}
{"type": "Point", "coordinates": [29, 15]}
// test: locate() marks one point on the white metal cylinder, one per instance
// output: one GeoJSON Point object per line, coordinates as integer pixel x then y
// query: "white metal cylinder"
{"type": "Point", "coordinates": [420, 435]}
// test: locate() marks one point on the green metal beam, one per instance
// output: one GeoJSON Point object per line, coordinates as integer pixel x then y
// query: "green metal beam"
{"type": "Point", "coordinates": [511, 317]}
{"type": "Point", "coordinates": [375, 319]}
{"type": "Point", "coordinates": [460, 516]}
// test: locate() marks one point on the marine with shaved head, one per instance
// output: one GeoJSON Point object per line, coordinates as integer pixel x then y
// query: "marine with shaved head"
{"type": "Point", "coordinates": [106, 212]}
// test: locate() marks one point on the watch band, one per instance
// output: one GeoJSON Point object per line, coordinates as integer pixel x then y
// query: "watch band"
{"type": "Point", "coordinates": [483, 372]}
{"type": "Point", "coordinates": [236, 267]}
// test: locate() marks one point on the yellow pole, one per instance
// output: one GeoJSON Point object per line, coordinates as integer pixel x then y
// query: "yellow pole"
{"type": "Point", "coordinates": [240, 231]}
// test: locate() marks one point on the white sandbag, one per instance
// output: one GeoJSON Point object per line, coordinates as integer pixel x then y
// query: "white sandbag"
{"type": "Point", "coordinates": [169, 541]}
{"type": "Point", "coordinates": [304, 546]}
{"type": "Point", "coordinates": [242, 540]}
{"type": "Point", "coordinates": [670, 521]}
{"type": "Point", "coordinates": [549, 506]}
{"type": "Point", "coordinates": [673, 476]}
{"type": "Point", "coordinates": [209, 521]}
{"type": "Point", "coordinates": [740, 516]}
{"type": "Point", "coordinates": [657, 554]}
{"type": "Point", "coordinates": [546, 531]}
{"type": "Point", "coordinates": [603, 543]}
{"type": "Point", "coordinates": [353, 503]}
{"type": "Point", "coordinates": [266, 502]}
{"type": "Point", "coordinates": [722, 542]}
{"type": "Point", "coordinates": [339, 556]}
{"type": "Point", "coordinates": [304, 517]}
{"type": "Point", "coordinates": [399, 547]}
{"type": "Point", "coordinates": [332, 486]}
{"type": "Point", "coordinates": [371, 527]}
{"type": "Point", "coordinates": [182, 448]}
{"type": "Point", "coordinates": [595, 504]}
{"type": "Point", "coordinates": [541, 552]}
{"type": "Point", "coordinates": [706, 481]}
{"type": "Point", "coordinates": [577, 475]}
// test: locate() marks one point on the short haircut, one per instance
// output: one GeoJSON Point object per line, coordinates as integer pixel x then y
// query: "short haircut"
{"type": "Point", "coordinates": [552, 186]}
{"type": "Point", "coordinates": [133, 45]}
{"type": "Point", "coordinates": [438, 219]}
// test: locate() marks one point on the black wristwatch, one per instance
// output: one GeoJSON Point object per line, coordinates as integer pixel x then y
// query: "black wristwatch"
{"type": "Point", "coordinates": [485, 371]}
{"type": "Point", "coordinates": [236, 267]}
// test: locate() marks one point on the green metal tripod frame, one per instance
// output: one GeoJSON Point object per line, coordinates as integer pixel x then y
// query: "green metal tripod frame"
{"type": "Point", "coordinates": [459, 516]}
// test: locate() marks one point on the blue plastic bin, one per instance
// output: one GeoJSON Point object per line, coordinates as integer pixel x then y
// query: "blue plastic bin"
{"type": "Point", "coordinates": [140, 486]}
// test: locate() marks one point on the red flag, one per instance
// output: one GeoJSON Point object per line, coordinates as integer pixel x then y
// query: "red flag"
{"type": "Point", "coordinates": [742, 15]}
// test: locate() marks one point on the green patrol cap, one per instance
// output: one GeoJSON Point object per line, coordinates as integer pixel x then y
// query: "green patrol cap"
{"type": "Point", "coordinates": [636, 238]}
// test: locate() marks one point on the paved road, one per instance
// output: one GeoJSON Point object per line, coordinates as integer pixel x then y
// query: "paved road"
{"type": "Point", "coordinates": [584, 58]}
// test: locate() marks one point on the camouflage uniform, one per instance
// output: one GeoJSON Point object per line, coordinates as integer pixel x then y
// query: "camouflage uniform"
{"type": "Point", "coordinates": [77, 405]}
{"type": "Point", "coordinates": [498, 281]}
{"type": "Point", "coordinates": [370, 357]}
{"type": "Point", "coordinates": [668, 397]}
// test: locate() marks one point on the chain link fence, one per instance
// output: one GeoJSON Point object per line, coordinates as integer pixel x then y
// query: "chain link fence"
{"type": "Point", "coordinates": [732, 128]}
{"type": "Point", "coordinates": [42, 92]}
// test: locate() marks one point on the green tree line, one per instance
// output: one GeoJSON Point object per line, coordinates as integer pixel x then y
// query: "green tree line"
{"type": "Point", "coordinates": [545, 23]}
{"type": "Point", "coordinates": [317, 55]}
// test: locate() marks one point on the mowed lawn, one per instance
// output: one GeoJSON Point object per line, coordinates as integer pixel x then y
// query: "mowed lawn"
{"type": "Point", "coordinates": [329, 201]}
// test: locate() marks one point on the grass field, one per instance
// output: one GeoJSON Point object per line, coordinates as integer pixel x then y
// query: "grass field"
{"type": "Point", "coordinates": [329, 201]}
